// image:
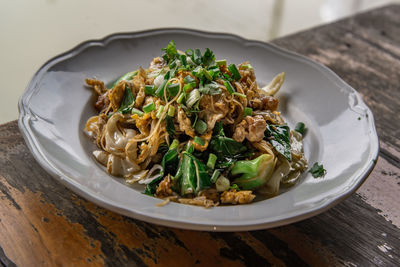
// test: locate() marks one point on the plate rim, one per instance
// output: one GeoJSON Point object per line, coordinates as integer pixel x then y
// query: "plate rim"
{"type": "Point", "coordinates": [32, 143]}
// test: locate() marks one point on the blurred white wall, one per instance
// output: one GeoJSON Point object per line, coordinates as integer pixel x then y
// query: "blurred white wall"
{"type": "Point", "coordinates": [32, 31]}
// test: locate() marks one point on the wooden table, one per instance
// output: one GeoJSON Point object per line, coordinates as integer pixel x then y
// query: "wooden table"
{"type": "Point", "coordinates": [44, 224]}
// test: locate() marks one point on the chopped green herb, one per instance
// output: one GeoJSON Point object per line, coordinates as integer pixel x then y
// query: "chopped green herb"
{"type": "Point", "coordinates": [170, 125]}
{"type": "Point", "coordinates": [170, 51]}
{"type": "Point", "coordinates": [193, 97]}
{"type": "Point", "coordinates": [234, 186]}
{"type": "Point", "coordinates": [212, 159]}
{"type": "Point", "coordinates": [317, 170]}
{"type": "Point", "coordinates": [127, 101]}
{"type": "Point", "coordinates": [137, 111]}
{"type": "Point", "coordinates": [221, 62]}
{"type": "Point", "coordinates": [300, 127]}
{"type": "Point", "coordinates": [159, 111]}
{"type": "Point", "coordinates": [247, 111]}
{"type": "Point", "coordinates": [171, 111]}
{"type": "Point", "coordinates": [201, 126]}
{"type": "Point", "coordinates": [247, 66]}
{"type": "Point", "coordinates": [173, 89]}
{"type": "Point", "coordinates": [234, 71]}
{"type": "Point", "coordinates": [215, 176]}
{"type": "Point", "coordinates": [229, 87]}
{"type": "Point", "coordinates": [149, 89]}
{"type": "Point", "coordinates": [180, 98]}
{"type": "Point", "coordinates": [189, 52]}
{"type": "Point", "coordinates": [189, 86]}
{"type": "Point", "coordinates": [199, 140]}
{"type": "Point", "coordinates": [189, 79]}
{"type": "Point", "coordinates": [208, 57]}
{"type": "Point", "coordinates": [239, 94]}
{"type": "Point", "coordinates": [149, 107]}
{"type": "Point", "coordinates": [210, 89]}
{"type": "Point", "coordinates": [160, 90]}
{"type": "Point", "coordinates": [197, 56]}
{"type": "Point", "coordinates": [279, 137]}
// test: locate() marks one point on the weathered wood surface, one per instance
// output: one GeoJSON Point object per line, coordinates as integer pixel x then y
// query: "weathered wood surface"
{"type": "Point", "coordinates": [44, 224]}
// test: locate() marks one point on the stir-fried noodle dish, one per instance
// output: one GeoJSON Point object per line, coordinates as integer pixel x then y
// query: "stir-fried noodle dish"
{"type": "Point", "coordinates": [196, 130]}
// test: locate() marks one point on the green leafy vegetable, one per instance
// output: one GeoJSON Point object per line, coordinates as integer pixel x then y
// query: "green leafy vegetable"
{"type": "Point", "coordinates": [317, 170]}
{"type": "Point", "coordinates": [192, 175]}
{"type": "Point", "coordinates": [170, 159]}
{"type": "Point", "coordinates": [223, 146]}
{"type": "Point", "coordinates": [127, 101]}
{"type": "Point", "coordinates": [254, 172]}
{"type": "Point", "coordinates": [126, 77]}
{"type": "Point", "coordinates": [151, 187]}
{"type": "Point", "coordinates": [279, 137]}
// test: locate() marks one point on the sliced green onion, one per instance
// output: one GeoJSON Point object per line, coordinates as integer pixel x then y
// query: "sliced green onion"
{"type": "Point", "coordinates": [234, 71]}
{"type": "Point", "coordinates": [215, 176]}
{"type": "Point", "coordinates": [239, 94]}
{"type": "Point", "coordinates": [173, 89]}
{"type": "Point", "coordinates": [180, 98]}
{"type": "Point", "coordinates": [149, 107]}
{"type": "Point", "coordinates": [300, 127]}
{"type": "Point", "coordinates": [189, 147]}
{"type": "Point", "coordinates": [174, 144]}
{"type": "Point", "coordinates": [247, 112]}
{"type": "Point", "coordinates": [212, 158]}
{"type": "Point", "coordinates": [198, 72]}
{"type": "Point", "coordinates": [189, 52]}
{"type": "Point", "coordinates": [137, 111]}
{"type": "Point", "coordinates": [159, 111]}
{"type": "Point", "coordinates": [189, 86]}
{"type": "Point", "coordinates": [221, 62]}
{"type": "Point", "coordinates": [197, 56]}
{"type": "Point", "coordinates": [183, 59]}
{"type": "Point", "coordinates": [199, 140]}
{"type": "Point", "coordinates": [149, 89]}
{"type": "Point", "coordinates": [222, 184]}
{"type": "Point", "coordinates": [207, 75]}
{"type": "Point", "coordinates": [193, 97]}
{"type": "Point", "coordinates": [229, 87]}
{"type": "Point", "coordinates": [160, 90]}
{"type": "Point", "coordinates": [247, 66]}
{"type": "Point", "coordinates": [201, 127]}
{"type": "Point", "coordinates": [171, 111]}
{"type": "Point", "coordinates": [189, 79]}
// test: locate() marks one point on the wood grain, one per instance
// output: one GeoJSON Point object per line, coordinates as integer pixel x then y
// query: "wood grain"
{"type": "Point", "coordinates": [44, 224]}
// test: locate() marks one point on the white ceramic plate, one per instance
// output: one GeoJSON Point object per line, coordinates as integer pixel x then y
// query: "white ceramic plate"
{"type": "Point", "coordinates": [341, 132]}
